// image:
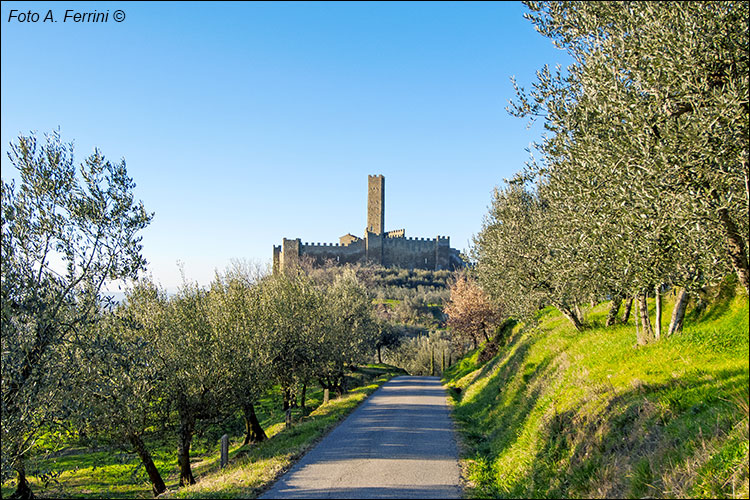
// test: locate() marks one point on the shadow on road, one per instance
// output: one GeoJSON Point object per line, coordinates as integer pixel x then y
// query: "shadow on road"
{"type": "Point", "coordinates": [399, 443]}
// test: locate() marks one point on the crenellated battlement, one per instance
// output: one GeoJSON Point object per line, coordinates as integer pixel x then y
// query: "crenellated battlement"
{"type": "Point", "coordinates": [306, 245]}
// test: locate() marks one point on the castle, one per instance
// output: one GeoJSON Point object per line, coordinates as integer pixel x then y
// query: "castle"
{"type": "Point", "coordinates": [379, 247]}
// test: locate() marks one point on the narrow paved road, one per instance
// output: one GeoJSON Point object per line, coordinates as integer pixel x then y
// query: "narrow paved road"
{"type": "Point", "coordinates": [398, 444]}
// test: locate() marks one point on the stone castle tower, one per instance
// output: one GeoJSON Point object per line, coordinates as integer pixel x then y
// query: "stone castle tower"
{"type": "Point", "coordinates": [379, 247]}
{"type": "Point", "coordinates": [375, 204]}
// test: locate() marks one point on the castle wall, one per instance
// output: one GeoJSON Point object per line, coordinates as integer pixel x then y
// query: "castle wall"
{"type": "Point", "coordinates": [408, 253]}
{"type": "Point", "coordinates": [390, 249]}
{"type": "Point", "coordinates": [340, 254]}
{"type": "Point", "coordinates": [419, 253]}
{"type": "Point", "coordinates": [374, 245]}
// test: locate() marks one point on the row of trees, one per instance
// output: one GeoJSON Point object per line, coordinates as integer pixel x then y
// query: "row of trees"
{"type": "Point", "coordinates": [642, 181]}
{"type": "Point", "coordinates": [154, 362]}
{"type": "Point", "coordinates": [206, 353]}
{"type": "Point", "coordinates": [429, 354]}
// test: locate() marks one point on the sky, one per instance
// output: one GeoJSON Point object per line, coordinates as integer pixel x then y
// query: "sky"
{"type": "Point", "coordinates": [244, 123]}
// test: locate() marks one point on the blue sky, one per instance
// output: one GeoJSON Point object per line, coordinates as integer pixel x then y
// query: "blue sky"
{"type": "Point", "coordinates": [242, 123]}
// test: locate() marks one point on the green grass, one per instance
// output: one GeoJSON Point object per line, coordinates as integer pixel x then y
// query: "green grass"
{"type": "Point", "coordinates": [559, 413]}
{"type": "Point", "coordinates": [85, 473]}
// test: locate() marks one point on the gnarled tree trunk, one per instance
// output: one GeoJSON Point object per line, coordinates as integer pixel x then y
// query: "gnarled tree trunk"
{"type": "Point", "coordinates": [735, 248]}
{"type": "Point", "coordinates": [614, 309]}
{"type": "Point", "coordinates": [579, 313]}
{"type": "Point", "coordinates": [572, 316]}
{"type": "Point", "coordinates": [647, 332]}
{"type": "Point", "coordinates": [184, 439]}
{"type": "Point", "coordinates": [628, 308]}
{"type": "Point", "coordinates": [253, 431]}
{"type": "Point", "coordinates": [23, 490]}
{"type": "Point", "coordinates": [157, 483]}
{"type": "Point", "coordinates": [657, 319]}
{"type": "Point", "coordinates": [678, 313]}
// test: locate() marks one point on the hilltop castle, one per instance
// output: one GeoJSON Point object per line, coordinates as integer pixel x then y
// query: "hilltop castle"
{"type": "Point", "coordinates": [380, 247]}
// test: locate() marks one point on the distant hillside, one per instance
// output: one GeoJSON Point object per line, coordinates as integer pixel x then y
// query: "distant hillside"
{"type": "Point", "coordinates": [558, 414]}
{"type": "Point", "coordinates": [392, 282]}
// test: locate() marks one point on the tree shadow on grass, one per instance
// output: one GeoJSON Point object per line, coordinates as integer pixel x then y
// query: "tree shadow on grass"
{"type": "Point", "coordinates": [630, 444]}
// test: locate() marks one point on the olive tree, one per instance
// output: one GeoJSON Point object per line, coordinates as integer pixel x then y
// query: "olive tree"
{"type": "Point", "coordinates": [194, 360]}
{"type": "Point", "coordinates": [119, 381]}
{"type": "Point", "coordinates": [520, 257]}
{"type": "Point", "coordinates": [290, 320]}
{"type": "Point", "coordinates": [649, 128]}
{"type": "Point", "coordinates": [348, 332]}
{"type": "Point", "coordinates": [234, 316]}
{"type": "Point", "coordinates": [65, 232]}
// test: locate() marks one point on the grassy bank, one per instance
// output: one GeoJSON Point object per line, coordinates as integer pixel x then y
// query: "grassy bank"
{"type": "Point", "coordinates": [559, 413]}
{"type": "Point", "coordinates": [82, 472]}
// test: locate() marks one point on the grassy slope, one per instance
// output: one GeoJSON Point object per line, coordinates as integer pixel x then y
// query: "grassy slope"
{"type": "Point", "coordinates": [83, 473]}
{"type": "Point", "coordinates": [564, 414]}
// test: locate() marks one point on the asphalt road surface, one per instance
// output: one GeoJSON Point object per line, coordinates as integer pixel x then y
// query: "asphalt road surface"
{"type": "Point", "coordinates": [399, 443]}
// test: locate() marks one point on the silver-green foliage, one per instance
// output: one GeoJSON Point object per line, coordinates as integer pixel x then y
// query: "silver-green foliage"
{"type": "Point", "coordinates": [424, 355]}
{"type": "Point", "coordinates": [642, 176]}
{"type": "Point", "coordinates": [65, 231]}
{"type": "Point", "coordinates": [648, 144]}
{"type": "Point", "coordinates": [350, 332]}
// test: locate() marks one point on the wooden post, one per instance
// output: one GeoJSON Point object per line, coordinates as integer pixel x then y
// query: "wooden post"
{"type": "Point", "coordinates": [224, 450]}
{"type": "Point", "coordinates": [326, 396]}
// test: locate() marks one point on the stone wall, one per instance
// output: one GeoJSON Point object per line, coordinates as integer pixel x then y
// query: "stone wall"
{"type": "Point", "coordinates": [419, 253]}
{"type": "Point", "coordinates": [339, 254]}
{"type": "Point", "coordinates": [375, 204]}
{"type": "Point", "coordinates": [408, 253]}
{"type": "Point", "coordinates": [389, 249]}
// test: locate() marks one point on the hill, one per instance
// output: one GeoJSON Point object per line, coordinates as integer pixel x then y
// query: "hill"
{"type": "Point", "coordinates": [559, 413]}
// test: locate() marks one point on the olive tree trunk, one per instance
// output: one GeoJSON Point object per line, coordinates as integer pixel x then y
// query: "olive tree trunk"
{"type": "Point", "coordinates": [157, 483]}
{"type": "Point", "coordinates": [572, 316]}
{"type": "Point", "coordinates": [614, 310]}
{"type": "Point", "coordinates": [253, 431]}
{"type": "Point", "coordinates": [735, 248]}
{"type": "Point", "coordinates": [647, 332]}
{"type": "Point", "coordinates": [184, 439]}
{"type": "Point", "coordinates": [23, 490]}
{"type": "Point", "coordinates": [628, 308]}
{"type": "Point", "coordinates": [657, 319]}
{"type": "Point", "coordinates": [678, 313]}
{"type": "Point", "coordinates": [579, 313]}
